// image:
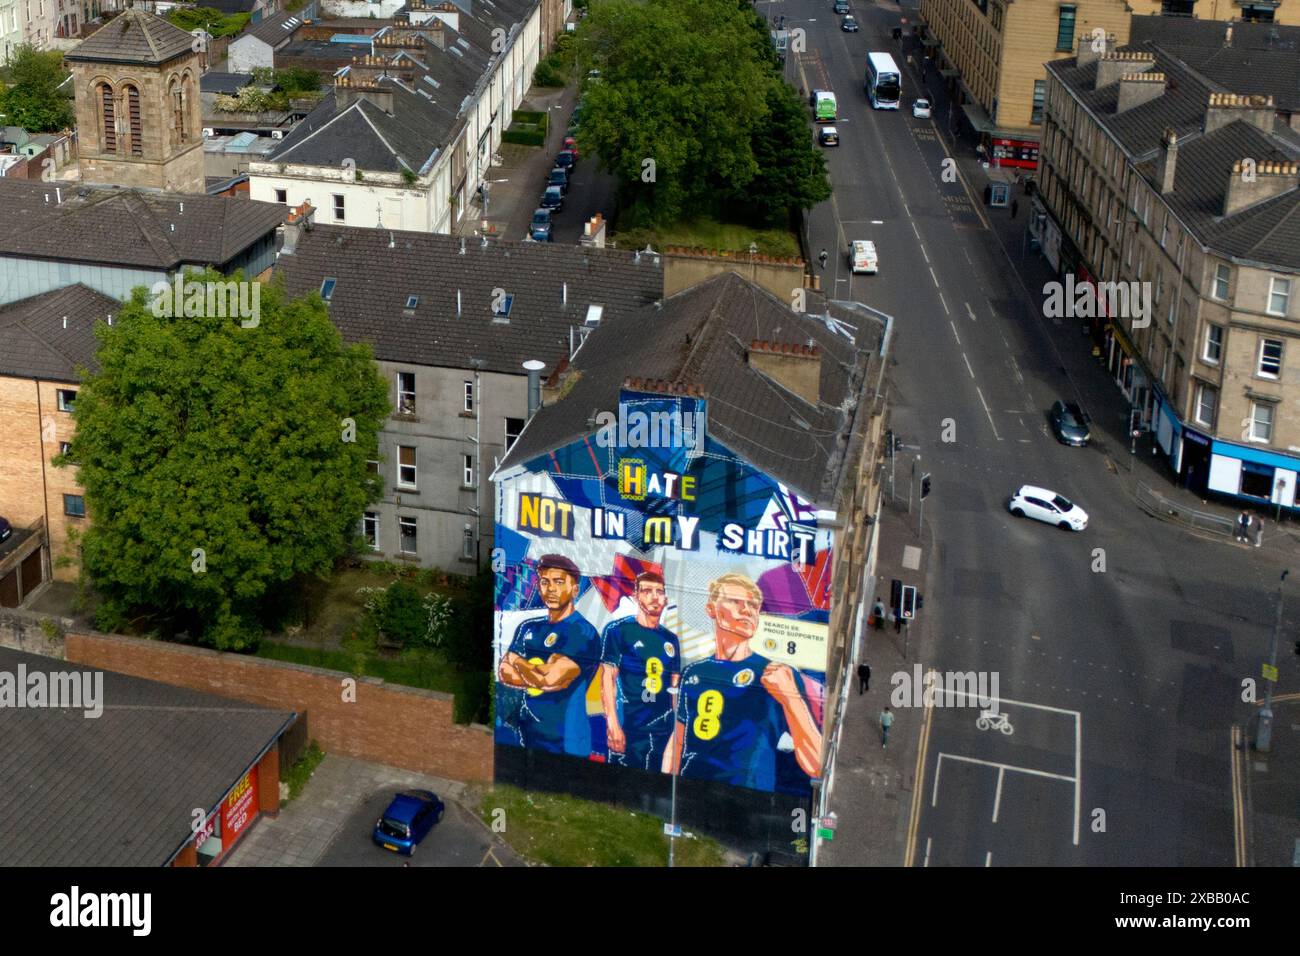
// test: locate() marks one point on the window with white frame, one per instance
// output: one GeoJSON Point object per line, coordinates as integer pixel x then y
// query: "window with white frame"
{"type": "Point", "coordinates": [1142, 261]}
{"type": "Point", "coordinates": [67, 398]}
{"type": "Point", "coordinates": [1261, 422]}
{"type": "Point", "coordinates": [370, 529]}
{"type": "Point", "coordinates": [1172, 317]}
{"type": "Point", "coordinates": [467, 544]}
{"type": "Point", "coordinates": [406, 466]}
{"type": "Point", "coordinates": [339, 214]}
{"type": "Point", "coordinates": [1270, 358]}
{"type": "Point", "coordinates": [1206, 399]}
{"type": "Point", "coordinates": [1160, 285]}
{"type": "Point", "coordinates": [1279, 295]}
{"type": "Point", "coordinates": [408, 536]}
{"type": "Point", "coordinates": [1222, 273]}
{"type": "Point", "coordinates": [1164, 230]}
{"type": "Point", "coordinates": [469, 396]}
{"type": "Point", "coordinates": [467, 470]}
{"type": "Point", "coordinates": [1213, 343]}
{"type": "Point", "coordinates": [406, 393]}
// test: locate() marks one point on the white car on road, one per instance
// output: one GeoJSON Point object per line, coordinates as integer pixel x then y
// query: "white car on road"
{"type": "Point", "coordinates": [921, 109]}
{"type": "Point", "coordinates": [1043, 505]}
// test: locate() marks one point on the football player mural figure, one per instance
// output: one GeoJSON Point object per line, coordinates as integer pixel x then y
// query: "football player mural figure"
{"type": "Point", "coordinates": [734, 708]}
{"type": "Point", "coordinates": [640, 664]}
{"type": "Point", "coordinates": [553, 659]}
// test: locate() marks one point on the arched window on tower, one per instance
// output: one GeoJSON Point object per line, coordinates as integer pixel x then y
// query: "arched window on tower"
{"type": "Point", "coordinates": [108, 119]}
{"type": "Point", "coordinates": [134, 137]}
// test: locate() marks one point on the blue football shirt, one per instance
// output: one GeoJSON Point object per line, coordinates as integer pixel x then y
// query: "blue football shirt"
{"type": "Point", "coordinates": [556, 720]}
{"type": "Point", "coordinates": [647, 659]}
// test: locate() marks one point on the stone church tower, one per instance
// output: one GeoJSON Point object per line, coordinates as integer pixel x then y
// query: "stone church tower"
{"type": "Point", "coordinates": [139, 119]}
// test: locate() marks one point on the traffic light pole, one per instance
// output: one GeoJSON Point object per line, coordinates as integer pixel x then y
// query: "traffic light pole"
{"type": "Point", "coordinates": [920, 510]}
{"type": "Point", "coordinates": [1264, 729]}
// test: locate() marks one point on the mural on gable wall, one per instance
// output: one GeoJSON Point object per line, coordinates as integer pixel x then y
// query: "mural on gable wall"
{"type": "Point", "coordinates": [662, 605]}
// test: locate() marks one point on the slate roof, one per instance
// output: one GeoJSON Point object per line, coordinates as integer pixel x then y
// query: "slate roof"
{"type": "Point", "coordinates": [130, 228]}
{"type": "Point", "coordinates": [118, 790]}
{"type": "Point", "coordinates": [1266, 72]}
{"type": "Point", "coordinates": [274, 31]}
{"type": "Point", "coordinates": [1267, 233]}
{"type": "Point", "coordinates": [228, 83]}
{"type": "Point", "coordinates": [134, 36]}
{"type": "Point", "coordinates": [37, 344]}
{"type": "Point", "coordinates": [700, 336]}
{"type": "Point", "coordinates": [1210, 33]}
{"type": "Point", "coordinates": [552, 285]}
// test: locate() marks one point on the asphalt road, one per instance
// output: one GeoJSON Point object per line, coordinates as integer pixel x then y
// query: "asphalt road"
{"type": "Point", "coordinates": [1120, 685]}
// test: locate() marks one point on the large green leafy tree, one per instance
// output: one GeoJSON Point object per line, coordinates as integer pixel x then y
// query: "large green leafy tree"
{"type": "Point", "coordinates": [247, 443]}
{"type": "Point", "coordinates": [32, 99]}
{"type": "Point", "coordinates": [692, 86]}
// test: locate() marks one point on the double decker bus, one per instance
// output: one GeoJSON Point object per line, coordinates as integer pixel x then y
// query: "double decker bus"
{"type": "Point", "coordinates": [884, 82]}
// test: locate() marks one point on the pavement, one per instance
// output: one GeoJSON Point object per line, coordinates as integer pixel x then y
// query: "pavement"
{"type": "Point", "coordinates": [329, 823]}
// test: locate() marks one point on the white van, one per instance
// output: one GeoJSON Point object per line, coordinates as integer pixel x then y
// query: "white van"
{"type": "Point", "coordinates": [862, 256]}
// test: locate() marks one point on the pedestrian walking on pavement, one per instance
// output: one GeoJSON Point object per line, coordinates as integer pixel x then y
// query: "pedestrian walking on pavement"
{"type": "Point", "coordinates": [823, 257]}
{"type": "Point", "coordinates": [878, 612]}
{"type": "Point", "coordinates": [1259, 531]}
{"type": "Point", "coordinates": [886, 721]}
{"type": "Point", "coordinates": [864, 677]}
{"type": "Point", "coordinates": [1243, 528]}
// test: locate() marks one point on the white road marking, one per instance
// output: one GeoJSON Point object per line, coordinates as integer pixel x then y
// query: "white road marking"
{"type": "Point", "coordinates": [968, 368]}
{"type": "Point", "coordinates": [994, 763]}
{"type": "Point", "coordinates": [927, 851]}
{"type": "Point", "coordinates": [918, 235]}
{"type": "Point", "coordinates": [969, 311]}
{"type": "Point", "coordinates": [988, 859]}
{"type": "Point", "coordinates": [997, 797]}
{"type": "Point", "coordinates": [879, 222]}
{"type": "Point", "coordinates": [985, 404]}
{"type": "Point", "coordinates": [943, 302]}
{"type": "Point", "coordinates": [932, 275]}
{"type": "Point", "coordinates": [955, 335]}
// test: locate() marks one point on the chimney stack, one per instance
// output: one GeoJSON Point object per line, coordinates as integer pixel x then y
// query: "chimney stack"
{"type": "Point", "coordinates": [796, 368]}
{"type": "Point", "coordinates": [1114, 65]}
{"type": "Point", "coordinates": [1087, 54]}
{"type": "Point", "coordinates": [1227, 36]}
{"type": "Point", "coordinates": [354, 86]}
{"type": "Point", "coordinates": [534, 369]}
{"type": "Point", "coordinates": [1138, 88]}
{"type": "Point", "coordinates": [1270, 179]}
{"type": "Point", "coordinates": [1167, 163]}
{"type": "Point", "coordinates": [301, 218]}
{"type": "Point", "coordinates": [1227, 108]}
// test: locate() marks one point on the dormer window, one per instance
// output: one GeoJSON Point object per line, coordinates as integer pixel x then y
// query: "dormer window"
{"type": "Point", "coordinates": [327, 288]}
{"type": "Point", "coordinates": [412, 301]}
{"type": "Point", "coordinates": [501, 309]}
{"type": "Point", "coordinates": [594, 313]}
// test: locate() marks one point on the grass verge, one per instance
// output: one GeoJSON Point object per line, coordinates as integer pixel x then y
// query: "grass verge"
{"type": "Point", "coordinates": [560, 830]}
{"type": "Point", "coordinates": [705, 233]}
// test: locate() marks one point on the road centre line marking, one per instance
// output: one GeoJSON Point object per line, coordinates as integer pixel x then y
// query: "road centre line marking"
{"type": "Point", "coordinates": [969, 311]}
{"type": "Point", "coordinates": [943, 302]}
{"type": "Point", "coordinates": [997, 797]}
{"type": "Point", "coordinates": [932, 275]}
{"type": "Point", "coordinates": [954, 333]}
{"type": "Point", "coordinates": [968, 368]}
{"type": "Point", "coordinates": [985, 404]}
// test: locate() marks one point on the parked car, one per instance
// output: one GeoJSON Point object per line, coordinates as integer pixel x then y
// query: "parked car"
{"type": "Point", "coordinates": [566, 160]}
{"type": "Point", "coordinates": [1070, 424]}
{"type": "Point", "coordinates": [540, 227]}
{"type": "Point", "coordinates": [571, 145]}
{"type": "Point", "coordinates": [828, 136]}
{"type": "Point", "coordinates": [559, 177]}
{"type": "Point", "coordinates": [553, 198]}
{"type": "Point", "coordinates": [841, 6]}
{"type": "Point", "coordinates": [849, 24]}
{"type": "Point", "coordinates": [1043, 505]}
{"type": "Point", "coordinates": [6, 529]}
{"type": "Point", "coordinates": [921, 109]}
{"type": "Point", "coordinates": [408, 820]}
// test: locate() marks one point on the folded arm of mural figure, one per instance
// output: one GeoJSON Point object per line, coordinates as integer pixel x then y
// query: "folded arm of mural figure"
{"type": "Point", "coordinates": [557, 673]}
{"type": "Point", "coordinates": [779, 681]}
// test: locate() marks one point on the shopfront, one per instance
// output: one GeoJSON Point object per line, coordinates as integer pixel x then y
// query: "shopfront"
{"type": "Point", "coordinates": [1252, 474]}
{"type": "Point", "coordinates": [228, 821]}
{"type": "Point", "coordinates": [1017, 153]}
{"type": "Point", "coordinates": [1127, 373]}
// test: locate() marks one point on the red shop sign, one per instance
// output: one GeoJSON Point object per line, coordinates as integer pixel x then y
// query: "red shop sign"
{"type": "Point", "coordinates": [239, 809]}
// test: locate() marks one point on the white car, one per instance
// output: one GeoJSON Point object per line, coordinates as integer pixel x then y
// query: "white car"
{"type": "Point", "coordinates": [921, 109]}
{"type": "Point", "coordinates": [1043, 505]}
{"type": "Point", "coordinates": [863, 258]}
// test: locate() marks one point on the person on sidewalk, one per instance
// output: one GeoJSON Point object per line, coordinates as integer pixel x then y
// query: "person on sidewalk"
{"type": "Point", "coordinates": [1259, 532]}
{"type": "Point", "coordinates": [1243, 528]}
{"type": "Point", "coordinates": [823, 257]}
{"type": "Point", "coordinates": [878, 612]}
{"type": "Point", "coordinates": [886, 721]}
{"type": "Point", "coordinates": [1015, 207]}
{"type": "Point", "coordinates": [864, 677]}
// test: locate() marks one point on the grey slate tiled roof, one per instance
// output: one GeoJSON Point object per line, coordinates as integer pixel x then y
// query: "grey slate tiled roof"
{"type": "Point", "coordinates": [128, 227]}
{"type": "Point", "coordinates": [1267, 233]}
{"type": "Point", "coordinates": [224, 82]}
{"type": "Point", "coordinates": [49, 335]}
{"type": "Point", "coordinates": [1210, 33]}
{"type": "Point", "coordinates": [275, 31]}
{"type": "Point", "coordinates": [1266, 72]}
{"type": "Point", "coordinates": [118, 790]}
{"type": "Point", "coordinates": [551, 285]}
{"type": "Point", "coordinates": [700, 336]}
{"type": "Point", "coordinates": [134, 36]}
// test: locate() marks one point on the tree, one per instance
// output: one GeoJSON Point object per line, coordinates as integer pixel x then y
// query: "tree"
{"type": "Point", "coordinates": [791, 172]}
{"type": "Point", "coordinates": [224, 460]}
{"type": "Point", "coordinates": [33, 99]}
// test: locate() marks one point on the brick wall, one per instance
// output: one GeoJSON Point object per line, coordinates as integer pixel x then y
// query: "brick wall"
{"type": "Point", "coordinates": [400, 726]}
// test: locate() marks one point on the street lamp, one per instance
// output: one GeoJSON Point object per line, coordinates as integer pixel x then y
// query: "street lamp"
{"type": "Point", "coordinates": [1264, 729]}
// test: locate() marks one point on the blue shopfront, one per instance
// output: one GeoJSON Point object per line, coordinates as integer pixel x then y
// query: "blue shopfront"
{"type": "Point", "coordinates": [1253, 474]}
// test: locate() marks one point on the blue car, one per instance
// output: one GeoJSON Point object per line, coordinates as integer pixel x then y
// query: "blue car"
{"type": "Point", "coordinates": [553, 198]}
{"type": "Point", "coordinates": [540, 228]}
{"type": "Point", "coordinates": [408, 820]}
{"type": "Point", "coordinates": [559, 177]}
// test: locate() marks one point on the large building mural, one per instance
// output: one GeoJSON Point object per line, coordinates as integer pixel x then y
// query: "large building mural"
{"type": "Point", "coordinates": [662, 605]}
